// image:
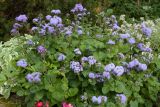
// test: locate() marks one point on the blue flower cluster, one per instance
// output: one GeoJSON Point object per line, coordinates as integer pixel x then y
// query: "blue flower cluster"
{"type": "Point", "coordinates": [61, 57]}
{"type": "Point", "coordinates": [117, 70]}
{"type": "Point", "coordinates": [142, 47]}
{"type": "Point", "coordinates": [78, 8]}
{"type": "Point", "coordinates": [77, 51]}
{"type": "Point", "coordinates": [146, 31]}
{"type": "Point", "coordinates": [76, 66]}
{"type": "Point", "coordinates": [22, 63]}
{"type": "Point", "coordinates": [122, 98]}
{"type": "Point", "coordinates": [34, 77]}
{"type": "Point", "coordinates": [90, 59]}
{"type": "Point", "coordinates": [52, 24]}
{"type": "Point", "coordinates": [99, 76]}
{"type": "Point", "coordinates": [41, 49]}
{"type": "Point", "coordinates": [20, 19]}
{"type": "Point", "coordinates": [99, 99]}
{"type": "Point", "coordinates": [135, 64]}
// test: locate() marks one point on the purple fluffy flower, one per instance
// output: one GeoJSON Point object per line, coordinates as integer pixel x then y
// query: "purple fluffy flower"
{"type": "Point", "coordinates": [118, 70]}
{"type": "Point", "coordinates": [35, 20]}
{"type": "Point", "coordinates": [141, 46]}
{"type": "Point", "coordinates": [77, 8]}
{"type": "Point", "coordinates": [80, 32]}
{"type": "Point", "coordinates": [17, 25]}
{"type": "Point", "coordinates": [33, 77]}
{"type": "Point", "coordinates": [109, 67]}
{"type": "Point", "coordinates": [91, 75]}
{"type": "Point", "coordinates": [106, 75]}
{"type": "Point", "coordinates": [68, 32]}
{"type": "Point", "coordinates": [30, 42]}
{"type": "Point", "coordinates": [94, 99]}
{"type": "Point", "coordinates": [45, 26]}
{"type": "Point", "coordinates": [22, 18]}
{"type": "Point", "coordinates": [34, 29]}
{"type": "Point", "coordinates": [51, 29]}
{"type": "Point", "coordinates": [91, 60]}
{"type": "Point", "coordinates": [131, 40]}
{"type": "Point", "coordinates": [54, 21]}
{"type": "Point", "coordinates": [22, 63]}
{"type": "Point", "coordinates": [60, 25]}
{"type": "Point", "coordinates": [76, 66]}
{"type": "Point", "coordinates": [145, 30]}
{"type": "Point", "coordinates": [84, 59]}
{"type": "Point", "coordinates": [61, 57]}
{"type": "Point", "coordinates": [122, 97]}
{"type": "Point", "coordinates": [124, 36]}
{"type": "Point", "coordinates": [41, 49]}
{"type": "Point", "coordinates": [133, 63]}
{"type": "Point", "coordinates": [48, 17]}
{"type": "Point", "coordinates": [142, 67]}
{"type": "Point", "coordinates": [77, 51]}
{"type": "Point", "coordinates": [99, 100]}
{"type": "Point", "coordinates": [14, 32]}
{"type": "Point", "coordinates": [148, 50]}
{"type": "Point", "coordinates": [111, 42]}
{"type": "Point", "coordinates": [115, 26]}
{"type": "Point", "coordinates": [42, 32]}
{"type": "Point", "coordinates": [56, 11]}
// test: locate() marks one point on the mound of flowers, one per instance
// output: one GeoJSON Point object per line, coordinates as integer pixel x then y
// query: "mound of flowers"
{"type": "Point", "coordinates": [82, 64]}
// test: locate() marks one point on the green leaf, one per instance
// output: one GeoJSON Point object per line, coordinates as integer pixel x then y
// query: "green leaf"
{"type": "Point", "coordinates": [39, 95]}
{"type": "Point", "coordinates": [133, 103]}
{"type": "Point", "coordinates": [2, 77]}
{"type": "Point", "coordinates": [20, 92]}
{"type": "Point", "coordinates": [72, 91]}
{"type": "Point", "coordinates": [106, 89]}
{"type": "Point", "coordinates": [110, 104]}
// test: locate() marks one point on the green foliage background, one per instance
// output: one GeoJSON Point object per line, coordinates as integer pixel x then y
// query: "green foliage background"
{"type": "Point", "coordinates": [9, 9]}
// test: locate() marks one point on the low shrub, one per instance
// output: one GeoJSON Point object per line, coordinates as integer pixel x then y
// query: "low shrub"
{"type": "Point", "coordinates": [109, 64]}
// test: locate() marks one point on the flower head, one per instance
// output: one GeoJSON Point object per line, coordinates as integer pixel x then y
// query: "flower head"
{"type": "Point", "coordinates": [61, 57]}
{"type": "Point", "coordinates": [78, 8]}
{"type": "Point", "coordinates": [77, 51]}
{"type": "Point", "coordinates": [131, 40]}
{"type": "Point", "coordinates": [118, 70]}
{"type": "Point", "coordinates": [106, 75]}
{"type": "Point", "coordinates": [91, 60]}
{"type": "Point", "coordinates": [133, 63]}
{"type": "Point", "coordinates": [142, 67]}
{"type": "Point", "coordinates": [91, 75]}
{"type": "Point", "coordinates": [56, 11]}
{"type": "Point", "coordinates": [111, 42]}
{"type": "Point", "coordinates": [76, 66]}
{"type": "Point", "coordinates": [33, 77]}
{"type": "Point", "coordinates": [22, 63]}
{"type": "Point", "coordinates": [17, 25]}
{"type": "Point", "coordinates": [122, 97]}
{"type": "Point", "coordinates": [22, 18]}
{"type": "Point", "coordinates": [80, 32]}
{"type": "Point", "coordinates": [41, 49]}
{"type": "Point", "coordinates": [48, 17]}
{"type": "Point", "coordinates": [109, 67]}
{"type": "Point", "coordinates": [124, 36]}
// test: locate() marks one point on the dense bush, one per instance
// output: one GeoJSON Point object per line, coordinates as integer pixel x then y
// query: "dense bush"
{"type": "Point", "coordinates": [132, 8]}
{"type": "Point", "coordinates": [109, 64]}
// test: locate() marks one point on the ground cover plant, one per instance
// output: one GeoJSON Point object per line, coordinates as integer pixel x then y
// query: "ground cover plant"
{"type": "Point", "coordinates": [110, 63]}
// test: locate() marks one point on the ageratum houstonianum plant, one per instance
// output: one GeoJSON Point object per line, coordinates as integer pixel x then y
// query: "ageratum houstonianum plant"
{"type": "Point", "coordinates": [111, 64]}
